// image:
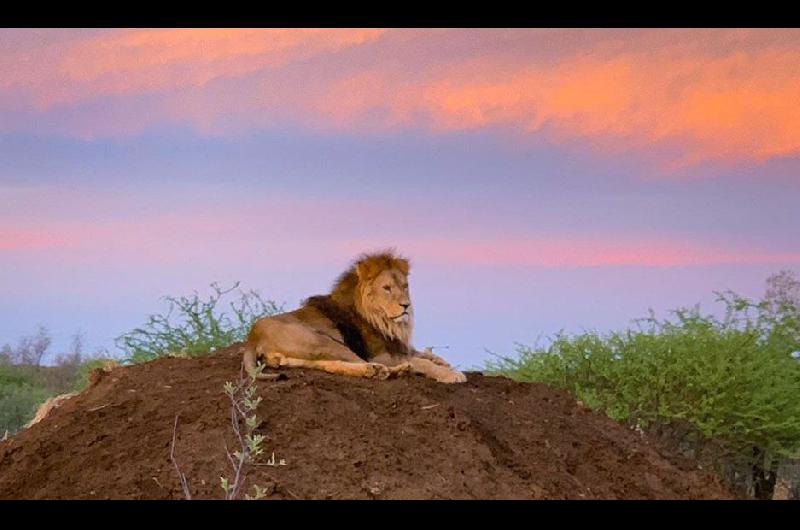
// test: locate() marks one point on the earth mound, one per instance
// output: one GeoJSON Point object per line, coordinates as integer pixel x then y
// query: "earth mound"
{"type": "Point", "coordinates": [340, 437]}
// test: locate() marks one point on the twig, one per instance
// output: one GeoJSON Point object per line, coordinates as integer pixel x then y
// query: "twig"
{"type": "Point", "coordinates": [241, 407]}
{"type": "Point", "coordinates": [270, 377]}
{"type": "Point", "coordinates": [181, 476]}
{"type": "Point", "coordinates": [236, 411]}
{"type": "Point", "coordinates": [238, 468]}
{"type": "Point", "coordinates": [100, 407]}
{"type": "Point", "coordinates": [287, 490]}
{"type": "Point", "coordinates": [228, 454]}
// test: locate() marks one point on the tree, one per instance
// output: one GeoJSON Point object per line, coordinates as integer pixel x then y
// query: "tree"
{"type": "Point", "coordinates": [32, 349]}
{"type": "Point", "coordinates": [6, 354]}
{"type": "Point", "coordinates": [68, 364]}
{"type": "Point", "coordinates": [74, 355]}
{"type": "Point", "coordinates": [783, 292]}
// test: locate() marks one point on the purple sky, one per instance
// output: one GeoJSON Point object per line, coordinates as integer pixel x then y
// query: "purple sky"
{"type": "Point", "coordinates": [538, 179]}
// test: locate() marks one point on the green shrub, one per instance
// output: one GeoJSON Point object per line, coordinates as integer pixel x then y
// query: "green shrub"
{"type": "Point", "coordinates": [81, 379]}
{"type": "Point", "coordinates": [193, 326]}
{"type": "Point", "coordinates": [19, 398]}
{"type": "Point", "coordinates": [731, 382]}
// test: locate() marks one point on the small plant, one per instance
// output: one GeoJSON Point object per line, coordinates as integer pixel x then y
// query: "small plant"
{"type": "Point", "coordinates": [258, 493]}
{"type": "Point", "coordinates": [244, 404]}
{"type": "Point", "coordinates": [193, 326]}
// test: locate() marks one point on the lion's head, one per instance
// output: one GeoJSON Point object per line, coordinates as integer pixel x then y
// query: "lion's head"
{"type": "Point", "coordinates": [377, 287]}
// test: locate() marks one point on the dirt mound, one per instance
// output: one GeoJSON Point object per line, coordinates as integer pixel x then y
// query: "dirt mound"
{"type": "Point", "coordinates": [340, 437]}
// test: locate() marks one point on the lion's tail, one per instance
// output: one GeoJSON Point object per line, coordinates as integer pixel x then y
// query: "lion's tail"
{"type": "Point", "coordinates": [250, 360]}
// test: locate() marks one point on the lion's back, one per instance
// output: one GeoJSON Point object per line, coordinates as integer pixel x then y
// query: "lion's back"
{"type": "Point", "coordinates": [308, 316]}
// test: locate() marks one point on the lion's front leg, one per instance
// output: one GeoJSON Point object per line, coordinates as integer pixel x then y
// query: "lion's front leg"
{"type": "Point", "coordinates": [397, 366]}
{"type": "Point", "coordinates": [353, 369]}
{"type": "Point", "coordinates": [400, 370]}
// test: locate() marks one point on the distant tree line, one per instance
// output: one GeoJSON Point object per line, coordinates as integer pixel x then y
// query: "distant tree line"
{"type": "Point", "coordinates": [26, 382]}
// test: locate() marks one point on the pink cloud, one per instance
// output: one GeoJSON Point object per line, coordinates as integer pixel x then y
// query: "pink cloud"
{"type": "Point", "coordinates": [96, 226]}
{"type": "Point", "coordinates": [181, 238]}
{"type": "Point", "coordinates": [32, 239]}
{"type": "Point", "coordinates": [558, 252]}
{"type": "Point", "coordinates": [215, 228]}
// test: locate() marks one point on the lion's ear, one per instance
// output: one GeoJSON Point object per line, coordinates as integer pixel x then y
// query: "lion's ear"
{"type": "Point", "coordinates": [403, 264]}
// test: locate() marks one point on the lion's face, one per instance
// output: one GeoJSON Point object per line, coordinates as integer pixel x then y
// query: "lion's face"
{"type": "Point", "coordinates": [385, 300]}
{"type": "Point", "coordinates": [389, 295]}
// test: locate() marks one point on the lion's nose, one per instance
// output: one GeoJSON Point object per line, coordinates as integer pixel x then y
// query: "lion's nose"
{"type": "Point", "coordinates": [405, 306]}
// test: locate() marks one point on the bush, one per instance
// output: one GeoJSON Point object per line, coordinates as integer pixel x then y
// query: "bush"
{"type": "Point", "coordinates": [193, 326]}
{"type": "Point", "coordinates": [81, 377]}
{"type": "Point", "coordinates": [731, 384]}
{"type": "Point", "coordinates": [19, 398]}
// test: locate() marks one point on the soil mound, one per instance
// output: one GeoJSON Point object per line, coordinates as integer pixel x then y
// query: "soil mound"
{"type": "Point", "coordinates": [340, 437]}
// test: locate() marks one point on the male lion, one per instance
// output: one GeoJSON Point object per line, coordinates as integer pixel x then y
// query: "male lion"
{"type": "Point", "coordinates": [362, 328]}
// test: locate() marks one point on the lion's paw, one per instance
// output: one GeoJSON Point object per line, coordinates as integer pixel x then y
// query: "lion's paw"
{"type": "Point", "coordinates": [453, 377]}
{"type": "Point", "coordinates": [400, 370]}
{"type": "Point", "coordinates": [378, 371]}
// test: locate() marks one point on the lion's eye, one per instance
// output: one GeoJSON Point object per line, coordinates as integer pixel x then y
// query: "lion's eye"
{"type": "Point", "coordinates": [405, 286]}
{"type": "Point", "coordinates": [387, 288]}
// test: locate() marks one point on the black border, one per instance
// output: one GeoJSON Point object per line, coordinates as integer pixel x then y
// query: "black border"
{"type": "Point", "coordinates": [619, 513]}
{"type": "Point", "coordinates": [483, 514]}
{"type": "Point", "coordinates": [406, 15]}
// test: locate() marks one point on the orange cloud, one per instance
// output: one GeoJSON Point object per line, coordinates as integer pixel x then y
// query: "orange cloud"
{"type": "Point", "coordinates": [149, 60]}
{"type": "Point", "coordinates": [700, 95]}
{"type": "Point", "coordinates": [739, 106]}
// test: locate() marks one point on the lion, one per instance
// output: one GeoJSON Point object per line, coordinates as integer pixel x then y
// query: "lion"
{"type": "Point", "coordinates": [362, 328]}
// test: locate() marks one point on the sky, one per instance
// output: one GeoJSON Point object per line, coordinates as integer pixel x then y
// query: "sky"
{"type": "Point", "coordinates": [538, 179]}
